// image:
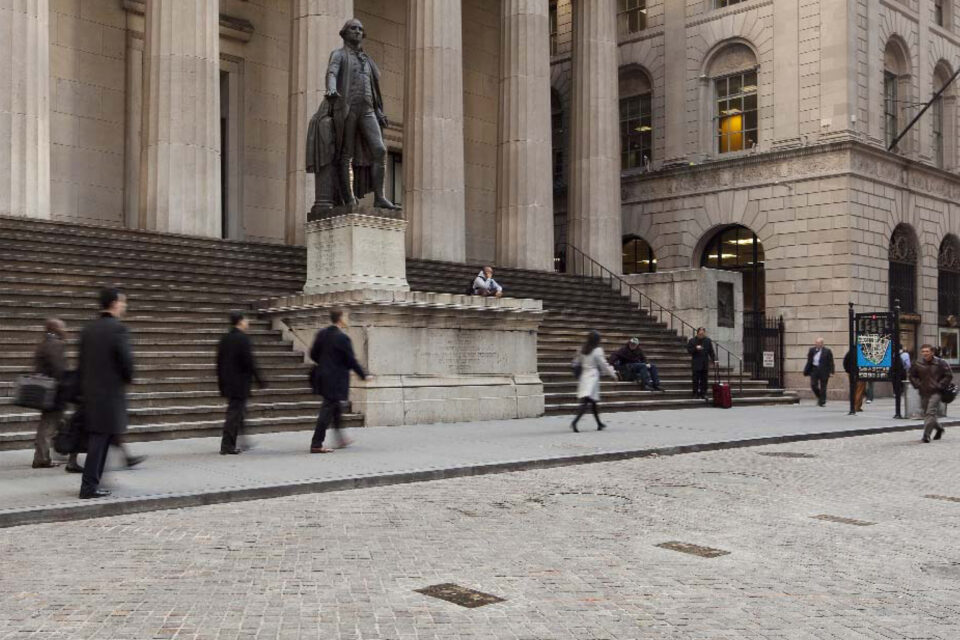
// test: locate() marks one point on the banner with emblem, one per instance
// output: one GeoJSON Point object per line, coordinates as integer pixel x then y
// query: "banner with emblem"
{"type": "Point", "coordinates": [875, 342]}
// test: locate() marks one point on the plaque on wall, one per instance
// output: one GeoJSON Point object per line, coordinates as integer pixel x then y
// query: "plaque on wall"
{"type": "Point", "coordinates": [725, 305]}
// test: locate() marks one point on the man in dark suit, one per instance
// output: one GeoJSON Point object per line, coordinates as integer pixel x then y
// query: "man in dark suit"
{"type": "Point", "coordinates": [332, 350]}
{"type": "Point", "coordinates": [819, 368]}
{"type": "Point", "coordinates": [700, 348]}
{"type": "Point", "coordinates": [105, 368]}
{"type": "Point", "coordinates": [236, 370]}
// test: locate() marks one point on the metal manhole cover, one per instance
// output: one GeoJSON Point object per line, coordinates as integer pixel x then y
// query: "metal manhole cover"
{"type": "Point", "coordinates": [850, 521]}
{"type": "Point", "coordinates": [946, 498]}
{"type": "Point", "coordinates": [785, 454]}
{"type": "Point", "coordinates": [469, 598]}
{"type": "Point", "coordinates": [942, 570]}
{"type": "Point", "coordinates": [693, 549]}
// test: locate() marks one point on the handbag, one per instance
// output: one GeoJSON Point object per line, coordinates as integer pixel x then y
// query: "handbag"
{"type": "Point", "coordinates": [35, 391]}
{"type": "Point", "coordinates": [948, 394]}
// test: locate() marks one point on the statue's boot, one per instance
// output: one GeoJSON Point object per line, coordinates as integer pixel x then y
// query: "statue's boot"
{"type": "Point", "coordinates": [379, 200]}
{"type": "Point", "coordinates": [346, 191]}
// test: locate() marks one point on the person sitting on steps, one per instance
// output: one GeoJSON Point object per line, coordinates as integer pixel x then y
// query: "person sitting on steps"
{"type": "Point", "coordinates": [485, 285]}
{"type": "Point", "coordinates": [631, 363]}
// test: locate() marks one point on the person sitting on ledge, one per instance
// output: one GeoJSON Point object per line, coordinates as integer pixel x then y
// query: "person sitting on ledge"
{"type": "Point", "coordinates": [631, 363]}
{"type": "Point", "coordinates": [485, 285]}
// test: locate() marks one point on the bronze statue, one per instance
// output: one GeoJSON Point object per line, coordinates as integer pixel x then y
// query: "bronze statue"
{"type": "Point", "coordinates": [347, 129]}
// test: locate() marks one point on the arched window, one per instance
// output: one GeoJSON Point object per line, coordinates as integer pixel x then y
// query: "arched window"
{"type": "Point", "coordinates": [638, 256]}
{"type": "Point", "coordinates": [636, 119]}
{"type": "Point", "coordinates": [733, 72]}
{"type": "Point", "coordinates": [737, 248]}
{"type": "Point", "coordinates": [557, 138]}
{"type": "Point", "coordinates": [896, 88]}
{"type": "Point", "coordinates": [948, 281]}
{"type": "Point", "coordinates": [902, 274]}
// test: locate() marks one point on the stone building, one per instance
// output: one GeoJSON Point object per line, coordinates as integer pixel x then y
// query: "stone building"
{"type": "Point", "coordinates": [742, 135]}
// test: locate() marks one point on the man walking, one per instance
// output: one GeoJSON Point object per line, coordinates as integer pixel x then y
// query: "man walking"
{"type": "Point", "coordinates": [106, 368]}
{"type": "Point", "coordinates": [630, 361]}
{"type": "Point", "coordinates": [930, 375]}
{"type": "Point", "coordinates": [236, 370]}
{"type": "Point", "coordinates": [49, 360]}
{"type": "Point", "coordinates": [819, 368]}
{"type": "Point", "coordinates": [859, 387]}
{"type": "Point", "coordinates": [332, 351]}
{"type": "Point", "coordinates": [700, 348]}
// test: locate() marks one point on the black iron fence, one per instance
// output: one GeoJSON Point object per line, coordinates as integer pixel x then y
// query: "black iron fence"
{"type": "Point", "coordinates": [763, 348]}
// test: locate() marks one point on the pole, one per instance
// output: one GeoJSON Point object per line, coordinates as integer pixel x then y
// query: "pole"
{"type": "Point", "coordinates": [851, 335]}
{"type": "Point", "coordinates": [897, 140]}
{"type": "Point", "coordinates": [898, 370]}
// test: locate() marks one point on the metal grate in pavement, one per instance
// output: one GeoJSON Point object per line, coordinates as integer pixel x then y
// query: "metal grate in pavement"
{"type": "Point", "coordinates": [693, 549]}
{"type": "Point", "coordinates": [947, 498]}
{"type": "Point", "coordinates": [850, 521]}
{"type": "Point", "coordinates": [785, 454]}
{"type": "Point", "coordinates": [462, 596]}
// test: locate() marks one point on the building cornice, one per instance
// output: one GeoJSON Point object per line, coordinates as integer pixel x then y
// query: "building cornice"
{"type": "Point", "coordinates": [231, 27]}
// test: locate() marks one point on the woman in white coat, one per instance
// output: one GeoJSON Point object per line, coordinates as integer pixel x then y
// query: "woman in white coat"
{"type": "Point", "coordinates": [592, 364]}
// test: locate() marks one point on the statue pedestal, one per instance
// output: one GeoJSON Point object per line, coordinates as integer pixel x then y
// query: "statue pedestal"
{"type": "Point", "coordinates": [353, 248]}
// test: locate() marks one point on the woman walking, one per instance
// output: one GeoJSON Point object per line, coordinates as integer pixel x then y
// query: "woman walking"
{"type": "Point", "coordinates": [591, 363]}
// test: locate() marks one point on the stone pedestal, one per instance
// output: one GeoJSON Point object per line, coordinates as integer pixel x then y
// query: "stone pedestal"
{"type": "Point", "coordinates": [351, 248]}
{"type": "Point", "coordinates": [431, 357]}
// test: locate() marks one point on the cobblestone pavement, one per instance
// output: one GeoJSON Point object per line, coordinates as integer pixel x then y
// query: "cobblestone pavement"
{"type": "Point", "coordinates": [571, 550]}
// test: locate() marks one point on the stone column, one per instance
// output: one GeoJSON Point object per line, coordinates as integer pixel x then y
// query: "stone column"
{"type": "Point", "coordinates": [594, 218]}
{"type": "Point", "coordinates": [315, 29]}
{"type": "Point", "coordinates": [181, 124]}
{"type": "Point", "coordinates": [525, 180]}
{"type": "Point", "coordinates": [433, 132]}
{"type": "Point", "coordinates": [25, 108]}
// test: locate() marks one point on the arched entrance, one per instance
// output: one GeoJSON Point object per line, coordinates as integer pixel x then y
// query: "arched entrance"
{"type": "Point", "coordinates": [638, 256]}
{"type": "Point", "coordinates": [736, 248]}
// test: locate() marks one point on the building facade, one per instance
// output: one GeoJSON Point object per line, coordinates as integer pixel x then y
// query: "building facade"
{"type": "Point", "coordinates": [744, 135]}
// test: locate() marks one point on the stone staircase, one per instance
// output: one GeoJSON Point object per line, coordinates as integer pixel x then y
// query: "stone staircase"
{"type": "Point", "coordinates": [180, 291]}
{"type": "Point", "coordinates": [574, 305]}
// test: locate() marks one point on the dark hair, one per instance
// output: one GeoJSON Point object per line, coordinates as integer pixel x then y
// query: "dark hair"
{"type": "Point", "coordinates": [236, 317]}
{"type": "Point", "coordinates": [591, 343]}
{"type": "Point", "coordinates": [926, 346]}
{"type": "Point", "coordinates": [699, 329]}
{"type": "Point", "coordinates": [335, 315]}
{"type": "Point", "coordinates": [108, 296]}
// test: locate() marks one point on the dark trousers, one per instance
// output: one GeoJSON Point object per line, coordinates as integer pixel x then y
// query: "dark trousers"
{"type": "Point", "coordinates": [330, 413]}
{"type": "Point", "coordinates": [98, 444]}
{"type": "Point", "coordinates": [233, 424]}
{"type": "Point", "coordinates": [818, 384]}
{"type": "Point", "coordinates": [700, 382]}
{"type": "Point", "coordinates": [646, 373]}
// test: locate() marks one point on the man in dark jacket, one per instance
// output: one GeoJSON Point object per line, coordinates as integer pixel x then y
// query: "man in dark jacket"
{"type": "Point", "coordinates": [700, 348]}
{"type": "Point", "coordinates": [819, 368]}
{"type": "Point", "coordinates": [332, 350]}
{"type": "Point", "coordinates": [631, 363]}
{"type": "Point", "coordinates": [236, 370]}
{"type": "Point", "coordinates": [930, 375]}
{"type": "Point", "coordinates": [105, 368]}
{"type": "Point", "coordinates": [49, 360]}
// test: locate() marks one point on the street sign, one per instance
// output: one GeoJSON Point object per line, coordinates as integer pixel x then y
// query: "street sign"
{"type": "Point", "coordinates": [768, 361]}
{"type": "Point", "coordinates": [875, 340]}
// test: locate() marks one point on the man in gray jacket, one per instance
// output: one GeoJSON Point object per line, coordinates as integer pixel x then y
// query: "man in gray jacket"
{"type": "Point", "coordinates": [930, 375]}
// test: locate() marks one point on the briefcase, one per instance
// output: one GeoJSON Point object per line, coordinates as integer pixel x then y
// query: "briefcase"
{"type": "Point", "coordinates": [35, 391]}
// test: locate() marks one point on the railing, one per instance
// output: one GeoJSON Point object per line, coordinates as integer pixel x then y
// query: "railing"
{"type": "Point", "coordinates": [570, 259]}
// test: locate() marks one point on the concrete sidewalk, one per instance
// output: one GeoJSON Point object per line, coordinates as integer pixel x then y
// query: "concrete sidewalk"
{"type": "Point", "coordinates": [181, 473]}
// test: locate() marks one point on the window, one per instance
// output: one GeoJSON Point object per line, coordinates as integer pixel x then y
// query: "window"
{"type": "Point", "coordinates": [937, 116]}
{"type": "Point", "coordinates": [938, 16]}
{"type": "Point", "coordinates": [553, 28]}
{"type": "Point", "coordinates": [631, 16]}
{"type": "Point", "coordinates": [737, 111]}
{"type": "Point", "coordinates": [638, 256]}
{"type": "Point", "coordinates": [890, 106]}
{"type": "Point", "coordinates": [727, 3]}
{"type": "Point", "coordinates": [948, 281]}
{"type": "Point", "coordinates": [636, 131]}
{"type": "Point", "coordinates": [902, 274]}
{"type": "Point", "coordinates": [557, 139]}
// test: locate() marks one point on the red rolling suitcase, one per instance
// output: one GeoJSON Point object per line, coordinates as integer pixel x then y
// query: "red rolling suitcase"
{"type": "Point", "coordinates": [722, 397]}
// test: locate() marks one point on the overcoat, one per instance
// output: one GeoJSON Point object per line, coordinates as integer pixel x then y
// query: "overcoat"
{"type": "Point", "coordinates": [701, 359]}
{"type": "Point", "coordinates": [332, 350]}
{"type": "Point", "coordinates": [236, 366]}
{"type": "Point", "coordinates": [593, 365]}
{"type": "Point", "coordinates": [106, 368]}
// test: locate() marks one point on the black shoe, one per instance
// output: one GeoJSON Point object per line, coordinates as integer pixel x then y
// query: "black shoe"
{"type": "Point", "coordinates": [938, 434]}
{"type": "Point", "coordinates": [573, 425]}
{"type": "Point", "coordinates": [925, 439]}
{"type": "Point", "coordinates": [45, 465]}
{"type": "Point", "coordinates": [133, 461]}
{"type": "Point", "coordinates": [96, 493]}
{"type": "Point", "coordinates": [230, 452]}
{"type": "Point", "coordinates": [73, 468]}
{"type": "Point", "coordinates": [601, 426]}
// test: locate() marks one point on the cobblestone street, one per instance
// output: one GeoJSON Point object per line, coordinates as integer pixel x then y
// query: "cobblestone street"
{"type": "Point", "coordinates": [573, 551]}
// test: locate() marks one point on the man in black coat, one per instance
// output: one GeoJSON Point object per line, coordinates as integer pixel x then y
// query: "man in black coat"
{"type": "Point", "coordinates": [700, 348]}
{"type": "Point", "coordinates": [332, 350]}
{"type": "Point", "coordinates": [236, 370]}
{"type": "Point", "coordinates": [819, 368]}
{"type": "Point", "coordinates": [106, 368]}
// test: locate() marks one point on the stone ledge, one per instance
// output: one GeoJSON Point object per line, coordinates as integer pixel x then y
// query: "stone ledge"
{"type": "Point", "coordinates": [398, 299]}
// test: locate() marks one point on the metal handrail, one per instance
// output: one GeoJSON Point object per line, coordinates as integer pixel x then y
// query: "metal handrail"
{"type": "Point", "coordinates": [597, 270]}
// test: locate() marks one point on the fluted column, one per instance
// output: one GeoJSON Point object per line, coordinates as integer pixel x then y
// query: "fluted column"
{"type": "Point", "coordinates": [524, 178]}
{"type": "Point", "coordinates": [315, 32]}
{"type": "Point", "coordinates": [182, 117]}
{"type": "Point", "coordinates": [25, 108]}
{"type": "Point", "coordinates": [594, 217]}
{"type": "Point", "coordinates": [433, 132]}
